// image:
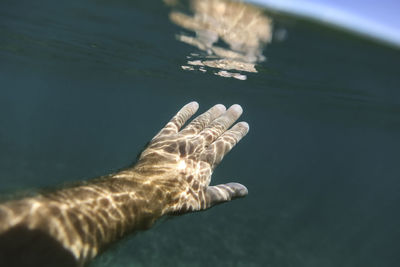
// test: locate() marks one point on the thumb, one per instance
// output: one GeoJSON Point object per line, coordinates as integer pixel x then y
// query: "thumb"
{"type": "Point", "coordinates": [218, 194]}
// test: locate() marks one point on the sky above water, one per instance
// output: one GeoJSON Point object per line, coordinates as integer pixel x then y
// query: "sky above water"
{"type": "Point", "coordinates": [378, 19]}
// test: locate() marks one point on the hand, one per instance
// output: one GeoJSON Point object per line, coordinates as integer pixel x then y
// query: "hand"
{"type": "Point", "coordinates": [183, 160]}
{"type": "Point", "coordinates": [172, 176]}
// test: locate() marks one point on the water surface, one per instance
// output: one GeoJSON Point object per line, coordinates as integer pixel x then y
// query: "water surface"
{"type": "Point", "coordinates": [86, 84]}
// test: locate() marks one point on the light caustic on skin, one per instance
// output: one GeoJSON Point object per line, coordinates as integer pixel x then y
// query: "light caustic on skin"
{"type": "Point", "coordinates": [243, 27]}
{"type": "Point", "coordinates": [172, 176]}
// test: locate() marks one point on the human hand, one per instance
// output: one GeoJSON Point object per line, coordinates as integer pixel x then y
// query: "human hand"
{"type": "Point", "coordinates": [182, 160]}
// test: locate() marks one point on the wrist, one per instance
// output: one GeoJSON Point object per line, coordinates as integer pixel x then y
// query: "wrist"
{"type": "Point", "coordinates": [162, 190]}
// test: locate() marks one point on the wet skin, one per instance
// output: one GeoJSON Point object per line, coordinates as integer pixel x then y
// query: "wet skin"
{"type": "Point", "coordinates": [172, 176]}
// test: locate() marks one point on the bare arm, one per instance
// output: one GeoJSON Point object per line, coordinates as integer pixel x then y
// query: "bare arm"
{"type": "Point", "coordinates": [172, 176]}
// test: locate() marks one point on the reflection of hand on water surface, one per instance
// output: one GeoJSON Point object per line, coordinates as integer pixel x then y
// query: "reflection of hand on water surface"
{"type": "Point", "coordinates": [242, 27]}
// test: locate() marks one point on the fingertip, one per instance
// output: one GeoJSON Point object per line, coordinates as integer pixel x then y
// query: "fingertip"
{"type": "Point", "coordinates": [245, 125]}
{"type": "Point", "coordinates": [194, 105]}
{"type": "Point", "coordinates": [239, 189]}
{"type": "Point", "coordinates": [236, 109]}
{"type": "Point", "coordinates": [220, 107]}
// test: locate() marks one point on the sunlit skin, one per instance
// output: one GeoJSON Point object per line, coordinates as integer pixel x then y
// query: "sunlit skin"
{"type": "Point", "coordinates": [172, 176]}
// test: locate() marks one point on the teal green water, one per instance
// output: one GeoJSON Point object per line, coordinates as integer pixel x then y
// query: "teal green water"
{"type": "Point", "coordinates": [85, 84]}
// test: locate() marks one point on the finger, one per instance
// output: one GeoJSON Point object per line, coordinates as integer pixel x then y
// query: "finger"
{"type": "Point", "coordinates": [174, 125]}
{"type": "Point", "coordinates": [199, 123]}
{"type": "Point", "coordinates": [221, 124]}
{"type": "Point", "coordinates": [224, 192]}
{"type": "Point", "coordinates": [220, 147]}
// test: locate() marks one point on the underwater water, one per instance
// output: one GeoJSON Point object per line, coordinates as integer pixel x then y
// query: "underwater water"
{"type": "Point", "coordinates": [85, 84]}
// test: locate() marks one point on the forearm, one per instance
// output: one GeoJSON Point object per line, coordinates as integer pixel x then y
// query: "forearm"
{"type": "Point", "coordinates": [71, 225]}
{"type": "Point", "coordinates": [87, 217]}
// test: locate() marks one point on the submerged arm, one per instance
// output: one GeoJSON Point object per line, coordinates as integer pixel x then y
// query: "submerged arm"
{"type": "Point", "coordinates": [172, 176]}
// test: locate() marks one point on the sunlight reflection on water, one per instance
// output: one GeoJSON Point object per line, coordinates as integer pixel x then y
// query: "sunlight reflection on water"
{"type": "Point", "coordinates": [243, 28]}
